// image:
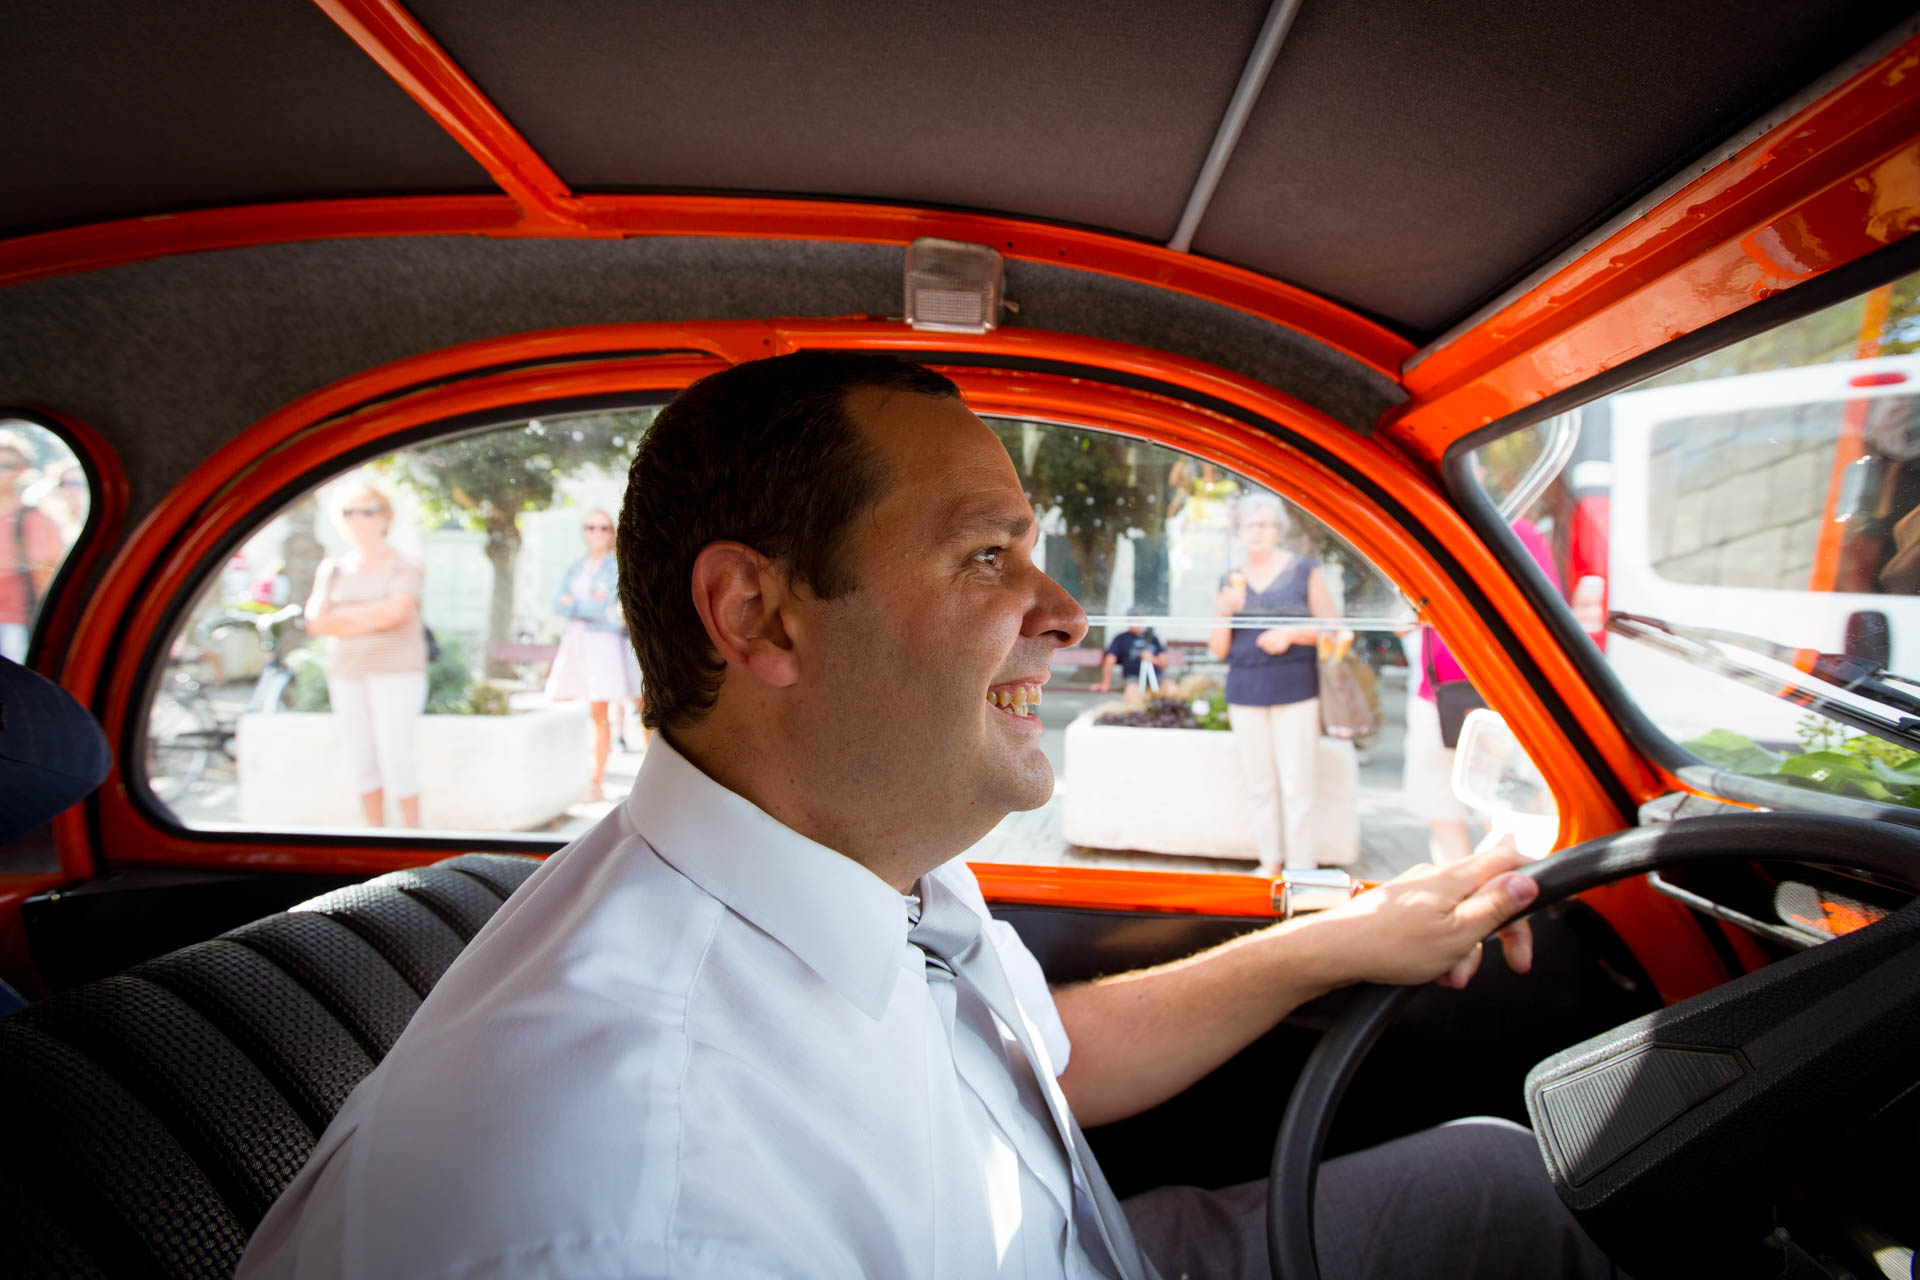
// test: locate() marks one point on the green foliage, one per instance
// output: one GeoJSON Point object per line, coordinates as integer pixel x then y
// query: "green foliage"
{"type": "Point", "coordinates": [1108, 487]}
{"type": "Point", "coordinates": [1725, 749]}
{"type": "Point", "coordinates": [1214, 717]}
{"type": "Point", "coordinates": [1859, 765]}
{"type": "Point", "coordinates": [308, 692]}
{"type": "Point", "coordinates": [486, 699]}
{"type": "Point", "coordinates": [486, 479]}
{"type": "Point", "coordinates": [1817, 733]}
{"type": "Point", "coordinates": [452, 689]}
{"type": "Point", "coordinates": [447, 679]}
{"type": "Point", "coordinates": [1837, 772]}
{"type": "Point", "coordinates": [1821, 338]}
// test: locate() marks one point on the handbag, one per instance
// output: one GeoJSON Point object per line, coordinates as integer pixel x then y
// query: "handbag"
{"type": "Point", "coordinates": [1344, 710]}
{"type": "Point", "coordinates": [1452, 699]}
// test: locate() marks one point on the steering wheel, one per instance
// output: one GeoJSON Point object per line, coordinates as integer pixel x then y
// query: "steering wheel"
{"type": "Point", "coordinates": [1665, 1135]}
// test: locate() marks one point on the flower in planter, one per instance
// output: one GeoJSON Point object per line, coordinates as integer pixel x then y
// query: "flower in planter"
{"type": "Point", "coordinates": [1169, 713]}
{"type": "Point", "coordinates": [487, 700]}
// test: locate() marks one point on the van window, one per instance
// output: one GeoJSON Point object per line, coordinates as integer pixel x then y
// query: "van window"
{"type": "Point", "coordinates": [425, 638]}
{"type": "Point", "coordinates": [1724, 525]}
{"type": "Point", "coordinates": [44, 499]}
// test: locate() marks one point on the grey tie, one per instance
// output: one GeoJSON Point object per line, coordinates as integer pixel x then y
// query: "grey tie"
{"type": "Point", "coordinates": [950, 934]}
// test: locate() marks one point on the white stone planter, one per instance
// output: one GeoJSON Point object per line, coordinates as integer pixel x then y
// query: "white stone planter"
{"type": "Point", "coordinates": [477, 773]}
{"type": "Point", "coordinates": [1179, 791]}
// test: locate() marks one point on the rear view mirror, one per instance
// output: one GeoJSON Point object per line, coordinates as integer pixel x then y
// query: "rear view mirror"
{"type": "Point", "coordinates": [1493, 776]}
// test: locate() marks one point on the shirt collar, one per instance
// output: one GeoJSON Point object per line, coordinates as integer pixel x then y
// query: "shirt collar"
{"type": "Point", "coordinates": [841, 920]}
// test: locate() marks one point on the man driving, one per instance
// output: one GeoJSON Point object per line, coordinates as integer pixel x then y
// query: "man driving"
{"type": "Point", "coordinates": [758, 1021]}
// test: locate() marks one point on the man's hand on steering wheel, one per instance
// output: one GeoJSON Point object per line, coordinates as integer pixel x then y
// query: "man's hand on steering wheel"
{"type": "Point", "coordinates": [1426, 924]}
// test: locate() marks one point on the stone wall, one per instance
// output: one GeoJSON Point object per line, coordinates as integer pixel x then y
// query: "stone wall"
{"type": "Point", "coordinates": [1737, 498]}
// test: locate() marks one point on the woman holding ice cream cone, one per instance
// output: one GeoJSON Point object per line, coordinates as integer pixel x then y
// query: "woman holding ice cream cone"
{"type": "Point", "coordinates": [1273, 680]}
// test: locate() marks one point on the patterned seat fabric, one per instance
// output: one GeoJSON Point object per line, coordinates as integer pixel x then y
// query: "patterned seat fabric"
{"type": "Point", "coordinates": [159, 1112]}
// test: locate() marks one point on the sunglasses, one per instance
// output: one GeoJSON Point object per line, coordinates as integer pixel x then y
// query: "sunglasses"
{"type": "Point", "coordinates": [361, 511]}
{"type": "Point", "coordinates": [597, 528]}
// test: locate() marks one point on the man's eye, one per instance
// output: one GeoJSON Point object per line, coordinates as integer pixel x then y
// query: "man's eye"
{"type": "Point", "coordinates": [990, 556]}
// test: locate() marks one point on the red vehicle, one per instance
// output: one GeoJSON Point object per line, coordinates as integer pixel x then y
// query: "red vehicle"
{"type": "Point", "coordinates": [258, 258]}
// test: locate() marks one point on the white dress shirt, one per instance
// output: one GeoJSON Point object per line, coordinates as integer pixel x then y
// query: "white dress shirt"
{"type": "Point", "coordinates": [695, 1044]}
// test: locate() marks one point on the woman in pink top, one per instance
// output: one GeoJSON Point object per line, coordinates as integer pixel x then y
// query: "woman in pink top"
{"type": "Point", "coordinates": [1428, 775]}
{"type": "Point", "coordinates": [30, 550]}
{"type": "Point", "coordinates": [377, 680]}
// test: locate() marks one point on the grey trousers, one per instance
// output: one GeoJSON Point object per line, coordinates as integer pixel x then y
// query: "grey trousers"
{"type": "Point", "coordinates": [1468, 1199]}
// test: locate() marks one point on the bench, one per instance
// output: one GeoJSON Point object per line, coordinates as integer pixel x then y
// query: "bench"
{"type": "Point", "coordinates": [158, 1113]}
{"type": "Point", "coordinates": [515, 653]}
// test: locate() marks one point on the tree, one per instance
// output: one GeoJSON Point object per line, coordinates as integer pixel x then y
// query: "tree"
{"type": "Point", "coordinates": [1099, 484]}
{"type": "Point", "coordinates": [1883, 322]}
{"type": "Point", "coordinates": [1107, 487]}
{"type": "Point", "coordinates": [485, 480]}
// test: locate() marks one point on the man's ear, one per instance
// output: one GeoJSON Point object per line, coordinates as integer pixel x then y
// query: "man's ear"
{"type": "Point", "coordinates": [741, 596]}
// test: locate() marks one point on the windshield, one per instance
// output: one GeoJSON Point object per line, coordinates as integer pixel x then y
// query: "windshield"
{"type": "Point", "coordinates": [1740, 537]}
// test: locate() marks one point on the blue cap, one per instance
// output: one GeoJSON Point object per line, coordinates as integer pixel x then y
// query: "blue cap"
{"type": "Point", "coordinates": [52, 753]}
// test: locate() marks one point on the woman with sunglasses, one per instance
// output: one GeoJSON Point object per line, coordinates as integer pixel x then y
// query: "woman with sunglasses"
{"type": "Point", "coordinates": [369, 599]}
{"type": "Point", "coordinates": [30, 549]}
{"type": "Point", "coordinates": [595, 660]}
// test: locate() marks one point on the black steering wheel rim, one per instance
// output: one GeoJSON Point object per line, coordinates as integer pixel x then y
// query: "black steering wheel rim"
{"type": "Point", "coordinates": [1855, 844]}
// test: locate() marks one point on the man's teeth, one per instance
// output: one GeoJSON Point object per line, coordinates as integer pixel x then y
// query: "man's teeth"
{"type": "Point", "coordinates": [1018, 699]}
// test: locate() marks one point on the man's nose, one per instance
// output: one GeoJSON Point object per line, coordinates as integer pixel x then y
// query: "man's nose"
{"type": "Point", "coordinates": [1055, 614]}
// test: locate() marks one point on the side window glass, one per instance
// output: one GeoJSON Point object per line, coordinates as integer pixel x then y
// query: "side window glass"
{"type": "Point", "coordinates": [1740, 538]}
{"type": "Point", "coordinates": [44, 501]}
{"type": "Point", "coordinates": [430, 640]}
{"type": "Point", "coordinates": [1299, 731]}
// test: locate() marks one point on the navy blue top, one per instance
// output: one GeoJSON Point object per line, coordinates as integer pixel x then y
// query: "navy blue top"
{"type": "Point", "coordinates": [1127, 647]}
{"type": "Point", "coordinates": [1256, 678]}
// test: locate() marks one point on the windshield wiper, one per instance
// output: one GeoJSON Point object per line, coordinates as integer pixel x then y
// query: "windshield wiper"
{"type": "Point", "coordinates": [1842, 670]}
{"type": "Point", "coordinates": [1696, 645]}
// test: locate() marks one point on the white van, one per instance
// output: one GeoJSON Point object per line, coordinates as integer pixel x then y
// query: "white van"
{"type": "Point", "coordinates": [1773, 505]}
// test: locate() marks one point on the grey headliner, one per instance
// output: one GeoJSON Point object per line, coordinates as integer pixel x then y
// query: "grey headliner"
{"type": "Point", "coordinates": [1010, 104]}
{"type": "Point", "coordinates": [170, 358]}
{"type": "Point", "coordinates": [133, 108]}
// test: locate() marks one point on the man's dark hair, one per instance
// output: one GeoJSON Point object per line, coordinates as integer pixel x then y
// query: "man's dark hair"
{"type": "Point", "coordinates": [764, 453]}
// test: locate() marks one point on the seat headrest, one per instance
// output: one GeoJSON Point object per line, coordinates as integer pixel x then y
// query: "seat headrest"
{"type": "Point", "coordinates": [52, 753]}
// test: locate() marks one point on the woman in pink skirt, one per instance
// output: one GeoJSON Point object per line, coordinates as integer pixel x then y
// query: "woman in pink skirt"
{"type": "Point", "coordinates": [595, 660]}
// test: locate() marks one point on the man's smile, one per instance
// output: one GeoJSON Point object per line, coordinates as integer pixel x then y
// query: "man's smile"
{"type": "Point", "coordinates": [1020, 701]}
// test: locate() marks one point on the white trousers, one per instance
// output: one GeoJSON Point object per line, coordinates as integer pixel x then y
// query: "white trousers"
{"type": "Point", "coordinates": [1428, 773]}
{"type": "Point", "coordinates": [378, 717]}
{"type": "Point", "coordinates": [1278, 749]}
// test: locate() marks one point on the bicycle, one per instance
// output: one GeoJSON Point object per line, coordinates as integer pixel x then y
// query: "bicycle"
{"type": "Point", "coordinates": [186, 735]}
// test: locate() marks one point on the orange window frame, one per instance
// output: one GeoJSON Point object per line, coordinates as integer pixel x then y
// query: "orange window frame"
{"type": "Point", "coordinates": [1314, 461]}
{"type": "Point", "coordinates": [291, 448]}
